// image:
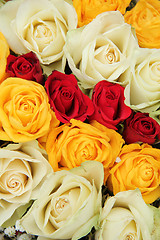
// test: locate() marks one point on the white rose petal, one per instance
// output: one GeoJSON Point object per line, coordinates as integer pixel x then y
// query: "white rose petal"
{"type": "Point", "coordinates": [70, 205]}
{"type": "Point", "coordinates": [39, 26]}
{"type": "Point", "coordinates": [23, 169]}
{"type": "Point", "coordinates": [7, 14]}
{"type": "Point", "coordinates": [126, 216]}
{"type": "Point", "coordinates": [101, 50]}
{"type": "Point", "coordinates": [143, 90]}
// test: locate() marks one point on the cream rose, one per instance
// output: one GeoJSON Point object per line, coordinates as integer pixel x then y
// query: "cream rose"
{"type": "Point", "coordinates": [126, 216]}
{"type": "Point", "coordinates": [69, 205]}
{"type": "Point", "coordinates": [23, 169]}
{"type": "Point", "coordinates": [100, 50]}
{"type": "Point", "coordinates": [39, 26]}
{"type": "Point", "coordinates": [143, 90]}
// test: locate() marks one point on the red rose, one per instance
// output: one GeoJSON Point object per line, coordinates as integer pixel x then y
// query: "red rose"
{"type": "Point", "coordinates": [66, 99]}
{"type": "Point", "coordinates": [25, 66]}
{"type": "Point", "coordinates": [108, 99]}
{"type": "Point", "coordinates": [139, 127]}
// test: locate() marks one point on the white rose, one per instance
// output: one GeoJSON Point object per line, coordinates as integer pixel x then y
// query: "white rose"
{"type": "Point", "coordinates": [23, 168]}
{"type": "Point", "coordinates": [69, 205]}
{"type": "Point", "coordinates": [143, 91]}
{"type": "Point", "coordinates": [100, 50]}
{"type": "Point", "coordinates": [156, 227]}
{"type": "Point", "coordinates": [126, 216]}
{"type": "Point", "coordinates": [37, 25]}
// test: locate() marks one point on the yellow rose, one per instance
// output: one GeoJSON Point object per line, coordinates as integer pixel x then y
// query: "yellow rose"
{"type": "Point", "coordinates": [4, 52]}
{"type": "Point", "coordinates": [145, 18]}
{"type": "Point", "coordinates": [87, 10]}
{"type": "Point", "coordinates": [71, 144]}
{"type": "Point", "coordinates": [25, 112]}
{"type": "Point", "coordinates": [53, 124]}
{"type": "Point", "coordinates": [138, 167]}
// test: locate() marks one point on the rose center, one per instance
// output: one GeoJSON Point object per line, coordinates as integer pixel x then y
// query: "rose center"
{"type": "Point", "coordinates": [61, 204]}
{"type": "Point", "coordinates": [25, 67]}
{"type": "Point", "coordinates": [110, 56]}
{"type": "Point", "coordinates": [66, 94]}
{"type": "Point", "coordinates": [107, 54]}
{"type": "Point", "coordinates": [147, 174]}
{"type": "Point", "coordinates": [24, 106]}
{"type": "Point", "coordinates": [41, 31]}
{"type": "Point", "coordinates": [22, 66]}
{"type": "Point", "coordinates": [129, 236]}
{"type": "Point", "coordinates": [87, 150]}
{"type": "Point", "coordinates": [110, 95]}
{"type": "Point", "coordinates": [85, 153]}
{"type": "Point", "coordinates": [146, 14]}
{"type": "Point", "coordinates": [15, 183]}
{"type": "Point", "coordinates": [155, 71]}
{"type": "Point", "coordinates": [146, 125]}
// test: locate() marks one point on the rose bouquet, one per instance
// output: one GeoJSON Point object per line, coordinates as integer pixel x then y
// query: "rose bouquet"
{"type": "Point", "coordinates": [79, 120]}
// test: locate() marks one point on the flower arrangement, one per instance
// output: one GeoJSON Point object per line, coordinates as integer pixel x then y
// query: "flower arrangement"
{"type": "Point", "coordinates": [79, 120]}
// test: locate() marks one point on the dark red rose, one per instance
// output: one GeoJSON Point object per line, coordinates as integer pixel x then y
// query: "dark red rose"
{"type": "Point", "coordinates": [66, 98]}
{"type": "Point", "coordinates": [25, 66]}
{"type": "Point", "coordinates": [139, 127]}
{"type": "Point", "coordinates": [108, 99]}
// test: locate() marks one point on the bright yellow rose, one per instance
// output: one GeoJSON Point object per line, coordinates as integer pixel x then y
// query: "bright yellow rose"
{"type": "Point", "coordinates": [53, 124]}
{"type": "Point", "coordinates": [138, 166]}
{"type": "Point", "coordinates": [87, 10]}
{"type": "Point", "coordinates": [25, 112]}
{"type": "Point", "coordinates": [71, 144]}
{"type": "Point", "coordinates": [145, 18]}
{"type": "Point", "coordinates": [4, 52]}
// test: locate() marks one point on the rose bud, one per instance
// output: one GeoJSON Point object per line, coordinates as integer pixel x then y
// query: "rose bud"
{"type": "Point", "coordinates": [66, 98]}
{"type": "Point", "coordinates": [110, 109]}
{"type": "Point", "coordinates": [139, 127]}
{"type": "Point", "coordinates": [25, 66]}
